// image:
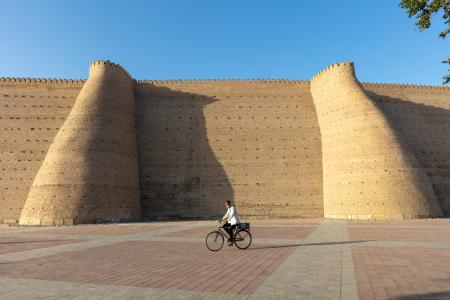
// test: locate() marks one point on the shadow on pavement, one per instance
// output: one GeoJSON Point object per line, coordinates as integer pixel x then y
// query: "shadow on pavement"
{"type": "Point", "coordinates": [438, 295]}
{"type": "Point", "coordinates": [309, 244]}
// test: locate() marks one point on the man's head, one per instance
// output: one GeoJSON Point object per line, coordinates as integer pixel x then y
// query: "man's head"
{"type": "Point", "coordinates": [227, 204]}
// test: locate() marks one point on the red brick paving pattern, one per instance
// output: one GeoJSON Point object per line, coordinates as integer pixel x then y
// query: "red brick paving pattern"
{"type": "Point", "coordinates": [185, 266]}
{"type": "Point", "coordinates": [402, 273]}
{"type": "Point", "coordinates": [285, 221]}
{"type": "Point", "coordinates": [109, 229]}
{"type": "Point", "coordinates": [256, 231]}
{"type": "Point", "coordinates": [13, 244]}
{"type": "Point", "coordinates": [415, 234]}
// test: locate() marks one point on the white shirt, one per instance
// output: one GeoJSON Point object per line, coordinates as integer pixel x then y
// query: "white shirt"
{"type": "Point", "coordinates": [232, 216]}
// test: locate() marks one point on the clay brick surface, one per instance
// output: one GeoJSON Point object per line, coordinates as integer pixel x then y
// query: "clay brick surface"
{"type": "Point", "coordinates": [369, 172]}
{"type": "Point", "coordinates": [31, 113]}
{"type": "Point", "coordinates": [300, 222]}
{"type": "Point", "coordinates": [15, 244]}
{"type": "Point", "coordinates": [421, 117]}
{"type": "Point", "coordinates": [400, 234]}
{"type": "Point", "coordinates": [184, 266]}
{"type": "Point", "coordinates": [257, 232]}
{"type": "Point", "coordinates": [201, 143]}
{"type": "Point", "coordinates": [110, 229]}
{"type": "Point", "coordinates": [277, 148]}
{"type": "Point", "coordinates": [408, 222]}
{"type": "Point", "coordinates": [402, 273]}
{"type": "Point", "coordinates": [90, 171]}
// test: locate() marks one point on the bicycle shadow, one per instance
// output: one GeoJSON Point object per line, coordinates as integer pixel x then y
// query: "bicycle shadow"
{"type": "Point", "coordinates": [259, 246]}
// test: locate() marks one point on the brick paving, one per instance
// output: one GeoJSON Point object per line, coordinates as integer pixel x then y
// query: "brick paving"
{"type": "Point", "coordinates": [402, 273]}
{"type": "Point", "coordinates": [9, 245]}
{"type": "Point", "coordinates": [112, 229]}
{"type": "Point", "coordinates": [282, 232]}
{"type": "Point", "coordinates": [157, 264]}
{"type": "Point", "coordinates": [400, 234]}
{"type": "Point", "coordinates": [289, 259]}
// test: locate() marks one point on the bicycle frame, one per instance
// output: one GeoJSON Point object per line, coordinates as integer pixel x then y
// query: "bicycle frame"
{"type": "Point", "coordinates": [222, 230]}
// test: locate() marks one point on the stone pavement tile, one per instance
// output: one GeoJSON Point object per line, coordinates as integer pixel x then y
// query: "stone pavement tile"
{"type": "Point", "coordinates": [13, 289]}
{"type": "Point", "coordinates": [401, 273]}
{"type": "Point", "coordinates": [105, 229]}
{"type": "Point", "coordinates": [13, 244]}
{"type": "Point", "coordinates": [315, 270]}
{"type": "Point", "coordinates": [186, 266]}
{"type": "Point", "coordinates": [400, 234]}
{"type": "Point", "coordinates": [200, 232]}
{"type": "Point", "coordinates": [91, 242]}
{"type": "Point", "coordinates": [281, 232]}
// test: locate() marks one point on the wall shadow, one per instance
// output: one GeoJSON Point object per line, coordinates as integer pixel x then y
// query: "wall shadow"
{"type": "Point", "coordinates": [426, 131]}
{"type": "Point", "coordinates": [180, 176]}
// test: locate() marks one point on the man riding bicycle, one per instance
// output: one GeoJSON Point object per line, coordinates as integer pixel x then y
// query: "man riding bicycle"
{"type": "Point", "coordinates": [232, 219]}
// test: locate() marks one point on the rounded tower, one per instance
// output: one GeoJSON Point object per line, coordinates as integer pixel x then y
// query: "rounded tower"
{"type": "Point", "coordinates": [90, 172]}
{"type": "Point", "coordinates": [368, 171]}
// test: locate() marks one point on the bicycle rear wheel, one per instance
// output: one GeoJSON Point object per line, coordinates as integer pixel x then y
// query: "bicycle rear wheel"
{"type": "Point", "coordinates": [214, 241]}
{"type": "Point", "coordinates": [242, 239]}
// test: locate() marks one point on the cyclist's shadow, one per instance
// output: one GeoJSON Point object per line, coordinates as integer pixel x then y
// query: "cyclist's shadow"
{"type": "Point", "coordinates": [298, 245]}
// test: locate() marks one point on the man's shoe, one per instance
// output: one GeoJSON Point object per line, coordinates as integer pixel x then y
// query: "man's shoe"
{"type": "Point", "coordinates": [230, 243]}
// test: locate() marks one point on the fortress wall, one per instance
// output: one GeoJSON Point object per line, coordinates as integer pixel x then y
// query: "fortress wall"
{"type": "Point", "coordinates": [385, 149]}
{"type": "Point", "coordinates": [421, 116]}
{"type": "Point", "coordinates": [90, 172]}
{"type": "Point", "coordinates": [369, 171]}
{"type": "Point", "coordinates": [203, 142]}
{"type": "Point", "coordinates": [31, 113]}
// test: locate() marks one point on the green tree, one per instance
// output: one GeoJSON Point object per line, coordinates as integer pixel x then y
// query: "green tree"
{"type": "Point", "coordinates": [423, 11]}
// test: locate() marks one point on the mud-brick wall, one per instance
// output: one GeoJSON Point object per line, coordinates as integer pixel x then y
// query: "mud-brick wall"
{"type": "Point", "coordinates": [420, 115]}
{"type": "Point", "coordinates": [31, 113]}
{"type": "Point", "coordinates": [90, 172]}
{"type": "Point", "coordinates": [256, 143]}
{"type": "Point", "coordinates": [369, 172]}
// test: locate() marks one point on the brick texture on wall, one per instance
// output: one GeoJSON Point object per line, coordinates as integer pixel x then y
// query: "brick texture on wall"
{"type": "Point", "coordinates": [369, 171]}
{"type": "Point", "coordinates": [90, 172]}
{"type": "Point", "coordinates": [111, 148]}
{"type": "Point", "coordinates": [201, 143]}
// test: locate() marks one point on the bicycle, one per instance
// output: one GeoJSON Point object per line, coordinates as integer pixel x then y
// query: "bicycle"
{"type": "Point", "coordinates": [242, 238]}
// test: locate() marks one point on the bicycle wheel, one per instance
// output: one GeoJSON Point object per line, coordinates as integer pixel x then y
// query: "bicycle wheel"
{"type": "Point", "coordinates": [242, 239]}
{"type": "Point", "coordinates": [214, 241]}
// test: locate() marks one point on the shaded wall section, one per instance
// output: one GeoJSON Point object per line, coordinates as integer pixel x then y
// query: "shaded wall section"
{"type": "Point", "coordinates": [90, 172]}
{"type": "Point", "coordinates": [31, 113]}
{"type": "Point", "coordinates": [421, 116]}
{"type": "Point", "coordinates": [256, 143]}
{"type": "Point", "coordinates": [369, 171]}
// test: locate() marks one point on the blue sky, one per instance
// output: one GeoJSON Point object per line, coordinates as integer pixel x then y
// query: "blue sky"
{"type": "Point", "coordinates": [168, 39]}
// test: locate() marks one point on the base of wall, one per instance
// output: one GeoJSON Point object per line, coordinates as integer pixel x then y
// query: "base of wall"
{"type": "Point", "coordinates": [376, 217]}
{"type": "Point", "coordinates": [69, 221]}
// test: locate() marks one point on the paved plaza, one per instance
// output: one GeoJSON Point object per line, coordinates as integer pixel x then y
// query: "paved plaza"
{"type": "Point", "coordinates": [289, 259]}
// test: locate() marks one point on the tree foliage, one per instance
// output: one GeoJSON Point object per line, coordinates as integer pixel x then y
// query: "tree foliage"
{"type": "Point", "coordinates": [423, 11]}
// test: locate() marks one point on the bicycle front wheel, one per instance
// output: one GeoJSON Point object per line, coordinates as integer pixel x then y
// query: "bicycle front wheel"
{"type": "Point", "coordinates": [242, 239]}
{"type": "Point", "coordinates": [214, 241]}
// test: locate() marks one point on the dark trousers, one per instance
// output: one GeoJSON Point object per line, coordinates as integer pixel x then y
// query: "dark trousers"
{"type": "Point", "coordinates": [229, 229]}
